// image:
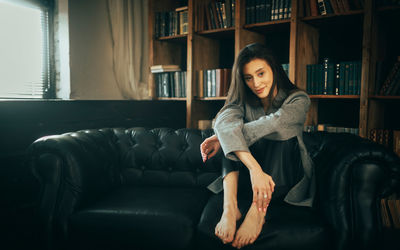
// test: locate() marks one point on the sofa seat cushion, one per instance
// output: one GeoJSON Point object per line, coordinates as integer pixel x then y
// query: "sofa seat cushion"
{"type": "Point", "coordinates": [286, 227]}
{"type": "Point", "coordinates": [140, 217]}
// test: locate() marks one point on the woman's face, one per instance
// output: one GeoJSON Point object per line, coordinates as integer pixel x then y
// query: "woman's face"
{"type": "Point", "coordinates": [259, 77]}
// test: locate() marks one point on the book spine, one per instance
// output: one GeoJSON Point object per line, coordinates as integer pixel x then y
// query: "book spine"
{"type": "Point", "coordinates": [273, 6]}
{"type": "Point", "coordinates": [331, 79]}
{"type": "Point", "coordinates": [233, 12]}
{"type": "Point", "coordinates": [280, 10]}
{"type": "Point", "coordinates": [325, 76]}
{"type": "Point", "coordinates": [346, 78]}
{"type": "Point", "coordinates": [313, 7]}
{"type": "Point", "coordinates": [228, 8]}
{"type": "Point", "coordinates": [322, 7]}
{"type": "Point", "coordinates": [335, 7]}
{"type": "Point", "coordinates": [351, 79]}
{"type": "Point", "coordinates": [396, 142]}
{"type": "Point", "coordinates": [312, 79]}
{"type": "Point", "coordinates": [257, 11]}
{"type": "Point", "coordinates": [248, 3]}
{"type": "Point", "coordinates": [393, 83]}
{"type": "Point", "coordinates": [209, 83]}
{"type": "Point", "coordinates": [389, 78]}
{"type": "Point", "coordinates": [308, 81]}
{"type": "Point", "coordinates": [328, 6]}
{"type": "Point", "coordinates": [213, 83]}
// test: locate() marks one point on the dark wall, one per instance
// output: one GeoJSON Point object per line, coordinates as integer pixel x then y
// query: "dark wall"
{"type": "Point", "coordinates": [22, 122]}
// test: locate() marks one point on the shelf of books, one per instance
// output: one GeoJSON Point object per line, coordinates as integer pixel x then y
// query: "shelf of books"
{"type": "Point", "coordinates": [332, 64]}
{"type": "Point", "coordinates": [384, 92]}
{"type": "Point", "coordinates": [390, 220]}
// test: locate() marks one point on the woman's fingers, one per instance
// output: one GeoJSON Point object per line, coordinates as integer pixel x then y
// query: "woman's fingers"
{"type": "Point", "coordinates": [255, 193]}
{"type": "Point", "coordinates": [260, 200]}
{"type": "Point", "coordinates": [272, 185]}
{"type": "Point", "coordinates": [214, 152]}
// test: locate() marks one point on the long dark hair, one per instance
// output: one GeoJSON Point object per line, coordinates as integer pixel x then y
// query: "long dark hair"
{"type": "Point", "coordinates": [239, 92]}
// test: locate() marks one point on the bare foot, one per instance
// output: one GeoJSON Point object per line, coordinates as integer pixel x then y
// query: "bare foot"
{"type": "Point", "coordinates": [226, 227]}
{"type": "Point", "coordinates": [250, 228]}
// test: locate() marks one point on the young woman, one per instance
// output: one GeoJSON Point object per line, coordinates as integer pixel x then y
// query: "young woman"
{"type": "Point", "coordinates": [260, 132]}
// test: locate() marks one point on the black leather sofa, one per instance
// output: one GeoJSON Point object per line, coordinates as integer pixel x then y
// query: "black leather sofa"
{"type": "Point", "coordinates": [144, 188]}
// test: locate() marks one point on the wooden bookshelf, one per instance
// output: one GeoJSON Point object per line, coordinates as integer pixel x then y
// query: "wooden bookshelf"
{"type": "Point", "coordinates": [355, 35]}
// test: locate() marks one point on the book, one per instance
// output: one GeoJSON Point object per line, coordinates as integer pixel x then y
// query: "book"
{"type": "Point", "coordinates": [228, 8]}
{"type": "Point", "coordinates": [313, 7]}
{"type": "Point", "coordinates": [390, 77]}
{"type": "Point", "coordinates": [385, 214]}
{"type": "Point", "coordinates": [346, 5]}
{"type": "Point", "coordinates": [183, 22]}
{"type": "Point", "coordinates": [322, 7]}
{"type": "Point", "coordinates": [335, 6]}
{"type": "Point", "coordinates": [396, 141]}
{"type": "Point", "coordinates": [328, 77]}
{"type": "Point", "coordinates": [394, 210]}
{"type": "Point", "coordinates": [200, 89]}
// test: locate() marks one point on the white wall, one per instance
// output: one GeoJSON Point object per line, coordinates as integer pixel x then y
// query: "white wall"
{"type": "Point", "coordinates": [91, 51]}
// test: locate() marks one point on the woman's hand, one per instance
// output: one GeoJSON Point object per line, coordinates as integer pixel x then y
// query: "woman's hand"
{"type": "Point", "coordinates": [209, 147]}
{"type": "Point", "coordinates": [263, 187]}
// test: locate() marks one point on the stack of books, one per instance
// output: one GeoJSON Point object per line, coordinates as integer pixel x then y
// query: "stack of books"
{"type": "Point", "coordinates": [171, 23]}
{"type": "Point", "coordinates": [391, 84]}
{"type": "Point", "coordinates": [331, 78]}
{"type": "Point", "coordinates": [170, 81]}
{"type": "Point", "coordinates": [383, 3]}
{"type": "Point", "coordinates": [381, 136]}
{"type": "Point", "coordinates": [386, 137]}
{"type": "Point", "coordinates": [213, 82]}
{"type": "Point", "coordinates": [258, 11]}
{"type": "Point", "coordinates": [325, 7]}
{"type": "Point", "coordinates": [331, 129]}
{"type": "Point", "coordinates": [390, 211]}
{"type": "Point", "coordinates": [216, 14]}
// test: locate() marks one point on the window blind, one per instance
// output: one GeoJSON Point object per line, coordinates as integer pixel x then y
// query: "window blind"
{"type": "Point", "coordinates": [24, 49]}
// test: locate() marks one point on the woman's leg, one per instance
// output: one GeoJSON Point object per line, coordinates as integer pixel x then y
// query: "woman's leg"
{"type": "Point", "coordinates": [226, 227]}
{"type": "Point", "coordinates": [252, 224]}
{"type": "Point", "coordinates": [280, 159]}
{"type": "Point", "coordinates": [251, 227]}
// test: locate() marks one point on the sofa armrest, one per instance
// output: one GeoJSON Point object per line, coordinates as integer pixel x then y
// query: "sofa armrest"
{"type": "Point", "coordinates": [73, 169]}
{"type": "Point", "coordinates": [352, 175]}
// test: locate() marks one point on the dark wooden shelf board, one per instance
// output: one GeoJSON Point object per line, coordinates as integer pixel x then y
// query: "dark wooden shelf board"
{"type": "Point", "coordinates": [219, 98]}
{"type": "Point", "coordinates": [384, 97]}
{"type": "Point", "coordinates": [334, 96]}
{"type": "Point", "coordinates": [171, 98]}
{"type": "Point", "coordinates": [219, 33]}
{"type": "Point", "coordinates": [176, 38]}
{"type": "Point", "coordinates": [279, 25]}
{"type": "Point", "coordinates": [351, 18]}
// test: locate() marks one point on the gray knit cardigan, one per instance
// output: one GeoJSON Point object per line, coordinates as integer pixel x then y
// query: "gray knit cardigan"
{"type": "Point", "coordinates": [239, 126]}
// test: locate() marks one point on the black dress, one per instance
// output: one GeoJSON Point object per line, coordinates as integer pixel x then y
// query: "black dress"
{"type": "Point", "coordinates": [281, 160]}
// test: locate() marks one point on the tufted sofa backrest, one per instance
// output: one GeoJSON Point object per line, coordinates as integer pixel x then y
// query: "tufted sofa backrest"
{"type": "Point", "coordinates": [165, 157]}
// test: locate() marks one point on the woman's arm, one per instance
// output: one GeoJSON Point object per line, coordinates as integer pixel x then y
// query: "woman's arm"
{"type": "Point", "coordinates": [262, 183]}
{"type": "Point", "coordinates": [285, 123]}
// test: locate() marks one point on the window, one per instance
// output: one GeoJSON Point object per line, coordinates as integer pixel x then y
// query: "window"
{"type": "Point", "coordinates": [25, 49]}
